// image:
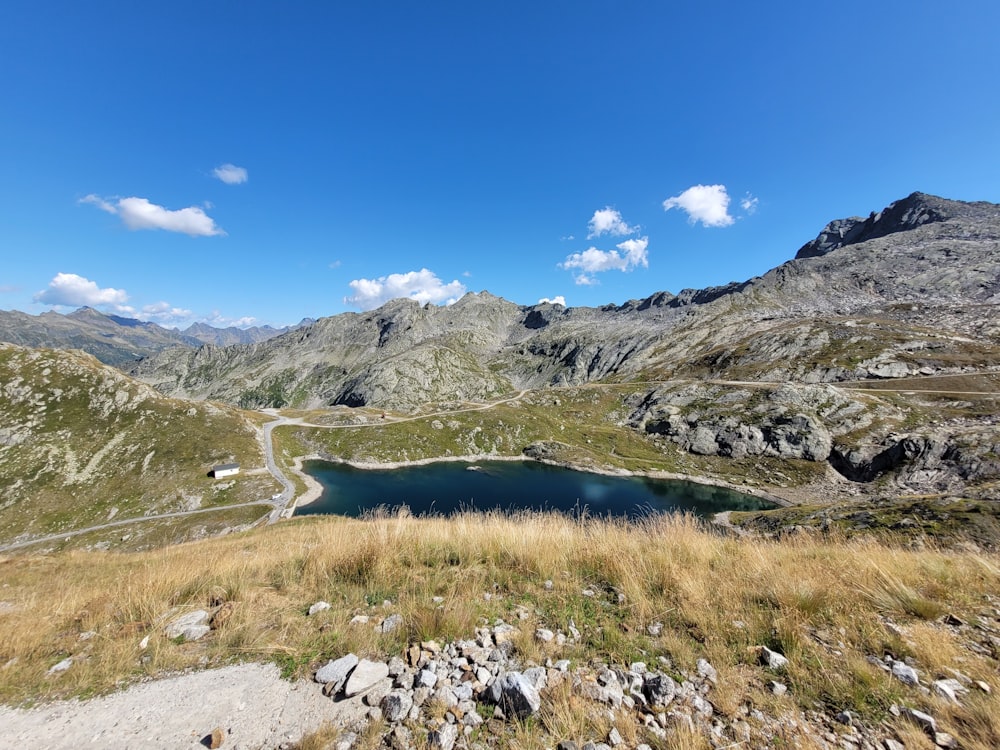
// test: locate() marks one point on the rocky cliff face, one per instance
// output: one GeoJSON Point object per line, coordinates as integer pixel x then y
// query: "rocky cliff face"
{"type": "Point", "coordinates": [910, 290]}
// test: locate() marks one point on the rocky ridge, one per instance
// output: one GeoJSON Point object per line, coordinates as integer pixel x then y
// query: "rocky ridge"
{"type": "Point", "coordinates": [866, 299]}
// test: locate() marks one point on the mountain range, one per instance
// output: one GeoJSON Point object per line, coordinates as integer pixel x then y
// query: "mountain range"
{"type": "Point", "coordinates": [117, 340]}
{"type": "Point", "coordinates": [910, 290]}
{"type": "Point", "coordinates": [867, 365]}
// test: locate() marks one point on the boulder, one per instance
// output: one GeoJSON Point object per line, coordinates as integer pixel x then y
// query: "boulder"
{"type": "Point", "coordinates": [336, 672]}
{"type": "Point", "coordinates": [515, 695]}
{"type": "Point", "coordinates": [365, 675]}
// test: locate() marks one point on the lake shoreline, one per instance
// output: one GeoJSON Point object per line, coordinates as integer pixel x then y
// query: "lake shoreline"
{"type": "Point", "coordinates": [315, 489]}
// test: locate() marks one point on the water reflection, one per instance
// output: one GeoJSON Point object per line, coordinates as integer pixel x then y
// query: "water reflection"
{"type": "Point", "coordinates": [449, 487]}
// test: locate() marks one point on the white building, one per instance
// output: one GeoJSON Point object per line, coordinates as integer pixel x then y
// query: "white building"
{"type": "Point", "coordinates": [225, 470]}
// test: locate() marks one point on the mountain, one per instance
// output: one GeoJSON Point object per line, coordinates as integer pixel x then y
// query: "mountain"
{"type": "Point", "coordinates": [82, 444]}
{"type": "Point", "coordinates": [114, 340]}
{"type": "Point", "coordinates": [117, 340]}
{"type": "Point", "coordinates": [872, 356]}
{"type": "Point", "coordinates": [926, 268]}
{"type": "Point", "coordinates": [207, 334]}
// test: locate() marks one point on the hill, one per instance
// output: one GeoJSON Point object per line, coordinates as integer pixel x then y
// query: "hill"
{"type": "Point", "coordinates": [82, 444]}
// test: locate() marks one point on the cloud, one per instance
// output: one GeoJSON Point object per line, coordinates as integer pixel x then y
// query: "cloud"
{"type": "Point", "coordinates": [231, 174]}
{"type": "Point", "coordinates": [218, 320]}
{"type": "Point", "coordinates": [608, 221]}
{"type": "Point", "coordinates": [708, 204]}
{"type": "Point", "coordinates": [68, 289]}
{"type": "Point", "coordinates": [334, 264]}
{"type": "Point", "coordinates": [422, 286]}
{"type": "Point", "coordinates": [139, 213]}
{"type": "Point", "coordinates": [165, 314]}
{"type": "Point", "coordinates": [9, 288]}
{"type": "Point", "coordinates": [632, 255]}
{"type": "Point", "coordinates": [749, 204]}
{"type": "Point", "coordinates": [557, 300]}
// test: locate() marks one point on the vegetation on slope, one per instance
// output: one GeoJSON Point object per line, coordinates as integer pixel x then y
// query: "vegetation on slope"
{"type": "Point", "coordinates": [826, 604]}
{"type": "Point", "coordinates": [82, 444]}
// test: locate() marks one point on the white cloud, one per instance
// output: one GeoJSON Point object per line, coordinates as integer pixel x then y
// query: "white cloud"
{"type": "Point", "coordinates": [165, 314]}
{"type": "Point", "coordinates": [9, 288]}
{"type": "Point", "coordinates": [139, 213]}
{"type": "Point", "coordinates": [608, 221]}
{"type": "Point", "coordinates": [218, 320]}
{"type": "Point", "coordinates": [231, 174]}
{"type": "Point", "coordinates": [633, 253]}
{"type": "Point", "coordinates": [749, 203]}
{"type": "Point", "coordinates": [423, 286]}
{"type": "Point", "coordinates": [70, 290]}
{"type": "Point", "coordinates": [334, 264]}
{"type": "Point", "coordinates": [708, 204]}
{"type": "Point", "coordinates": [557, 300]}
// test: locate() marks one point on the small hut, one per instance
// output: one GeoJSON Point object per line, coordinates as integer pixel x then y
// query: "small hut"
{"type": "Point", "coordinates": [225, 470]}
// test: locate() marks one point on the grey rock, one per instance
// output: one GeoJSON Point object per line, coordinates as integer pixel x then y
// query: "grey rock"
{"type": "Point", "coordinates": [390, 623]}
{"type": "Point", "coordinates": [545, 635]}
{"type": "Point", "coordinates": [426, 678]}
{"type": "Point", "coordinates": [365, 675]}
{"type": "Point", "coordinates": [659, 689]}
{"type": "Point", "coordinates": [537, 676]}
{"type": "Point", "coordinates": [443, 738]}
{"type": "Point", "coordinates": [905, 673]}
{"type": "Point", "coordinates": [318, 607]}
{"type": "Point", "coordinates": [772, 659]}
{"type": "Point", "coordinates": [777, 688]}
{"type": "Point", "coordinates": [192, 626]}
{"type": "Point", "coordinates": [707, 671]}
{"type": "Point", "coordinates": [61, 667]}
{"type": "Point", "coordinates": [515, 695]}
{"type": "Point", "coordinates": [949, 689]}
{"type": "Point", "coordinates": [925, 721]}
{"type": "Point", "coordinates": [336, 672]}
{"type": "Point", "coordinates": [396, 705]}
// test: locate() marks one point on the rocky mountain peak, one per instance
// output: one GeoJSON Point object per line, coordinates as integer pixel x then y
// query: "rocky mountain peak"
{"type": "Point", "coordinates": [911, 212]}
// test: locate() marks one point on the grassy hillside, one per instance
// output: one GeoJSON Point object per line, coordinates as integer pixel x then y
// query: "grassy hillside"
{"type": "Point", "coordinates": [829, 605]}
{"type": "Point", "coordinates": [81, 444]}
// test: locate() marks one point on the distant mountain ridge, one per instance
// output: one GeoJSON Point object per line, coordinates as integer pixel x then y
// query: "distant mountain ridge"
{"type": "Point", "coordinates": [116, 340]}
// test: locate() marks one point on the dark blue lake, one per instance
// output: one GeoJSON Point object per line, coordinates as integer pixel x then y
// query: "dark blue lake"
{"type": "Point", "coordinates": [447, 487]}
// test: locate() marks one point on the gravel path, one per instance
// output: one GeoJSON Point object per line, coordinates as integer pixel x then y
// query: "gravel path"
{"type": "Point", "coordinates": [252, 705]}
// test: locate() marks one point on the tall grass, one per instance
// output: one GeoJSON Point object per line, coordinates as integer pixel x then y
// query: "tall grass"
{"type": "Point", "coordinates": [826, 604]}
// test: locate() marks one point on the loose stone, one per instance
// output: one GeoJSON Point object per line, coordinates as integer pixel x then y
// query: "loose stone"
{"type": "Point", "coordinates": [364, 677]}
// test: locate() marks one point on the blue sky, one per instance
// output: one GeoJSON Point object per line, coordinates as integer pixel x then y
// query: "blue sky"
{"type": "Point", "coordinates": [261, 162]}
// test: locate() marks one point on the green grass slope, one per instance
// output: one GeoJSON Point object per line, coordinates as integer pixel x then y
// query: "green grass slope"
{"type": "Point", "coordinates": [82, 444]}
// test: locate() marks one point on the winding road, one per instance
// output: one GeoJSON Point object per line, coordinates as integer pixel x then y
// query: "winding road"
{"type": "Point", "coordinates": [281, 503]}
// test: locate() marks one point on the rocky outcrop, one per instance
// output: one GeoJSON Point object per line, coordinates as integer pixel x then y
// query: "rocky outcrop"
{"type": "Point", "coordinates": [881, 297]}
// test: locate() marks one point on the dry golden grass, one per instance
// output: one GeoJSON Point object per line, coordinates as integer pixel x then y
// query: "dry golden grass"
{"type": "Point", "coordinates": [825, 604]}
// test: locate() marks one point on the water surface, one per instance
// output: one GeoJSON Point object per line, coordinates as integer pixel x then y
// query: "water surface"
{"type": "Point", "coordinates": [447, 487]}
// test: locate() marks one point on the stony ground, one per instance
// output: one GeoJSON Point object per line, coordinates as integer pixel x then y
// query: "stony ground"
{"type": "Point", "coordinates": [249, 703]}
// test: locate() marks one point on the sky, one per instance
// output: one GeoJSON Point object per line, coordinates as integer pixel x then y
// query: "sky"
{"type": "Point", "coordinates": [244, 163]}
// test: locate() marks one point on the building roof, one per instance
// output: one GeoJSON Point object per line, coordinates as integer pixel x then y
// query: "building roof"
{"type": "Point", "coordinates": [222, 467]}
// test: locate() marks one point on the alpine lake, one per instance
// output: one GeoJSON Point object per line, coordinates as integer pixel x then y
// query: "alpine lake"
{"type": "Point", "coordinates": [448, 487]}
